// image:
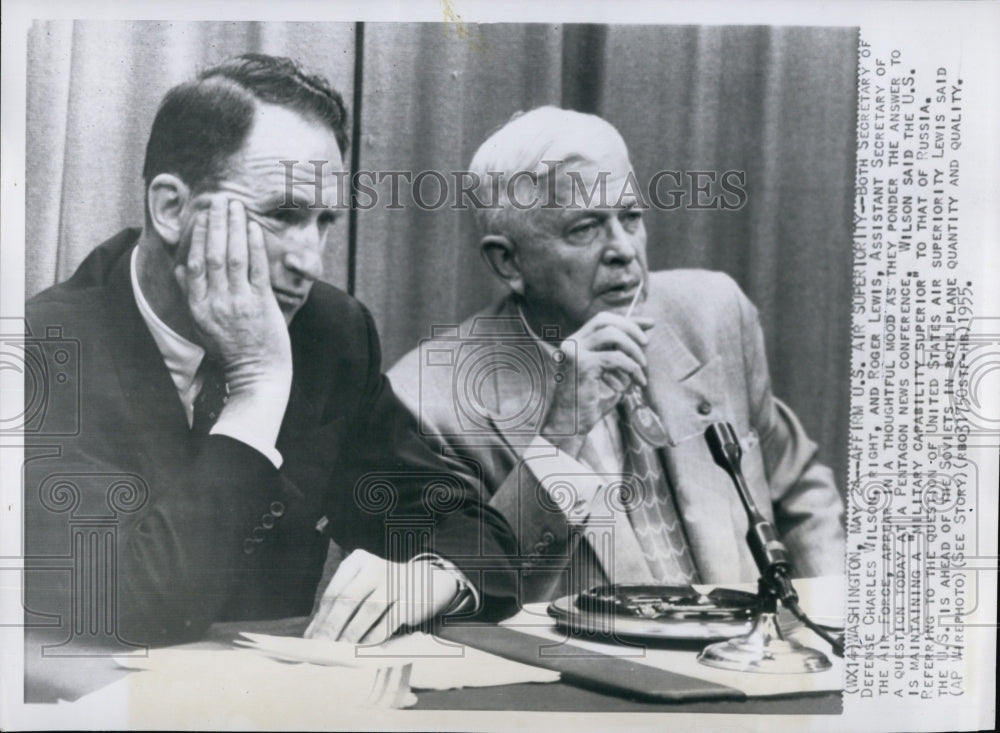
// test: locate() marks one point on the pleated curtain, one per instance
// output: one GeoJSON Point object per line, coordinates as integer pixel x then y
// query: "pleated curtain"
{"type": "Point", "coordinates": [776, 104]}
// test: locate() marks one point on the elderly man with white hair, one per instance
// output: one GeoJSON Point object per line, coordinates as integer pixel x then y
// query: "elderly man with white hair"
{"type": "Point", "coordinates": [579, 402]}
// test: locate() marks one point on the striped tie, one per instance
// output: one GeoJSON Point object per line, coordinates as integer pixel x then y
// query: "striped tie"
{"type": "Point", "coordinates": [655, 520]}
{"type": "Point", "coordinates": [211, 399]}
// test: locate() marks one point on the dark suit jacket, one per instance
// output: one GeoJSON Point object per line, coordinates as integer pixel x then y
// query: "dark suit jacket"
{"type": "Point", "coordinates": [188, 532]}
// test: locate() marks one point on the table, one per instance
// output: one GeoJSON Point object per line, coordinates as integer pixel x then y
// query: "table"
{"type": "Point", "coordinates": [49, 679]}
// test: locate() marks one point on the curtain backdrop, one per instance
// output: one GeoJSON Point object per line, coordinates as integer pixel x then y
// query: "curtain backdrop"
{"type": "Point", "coordinates": [93, 90]}
{"type": "Point", "coordinates": [775, 103]}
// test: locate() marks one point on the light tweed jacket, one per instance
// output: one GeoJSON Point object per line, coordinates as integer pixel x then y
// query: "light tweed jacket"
{"type": "Point", "coordinates": [481, 388]}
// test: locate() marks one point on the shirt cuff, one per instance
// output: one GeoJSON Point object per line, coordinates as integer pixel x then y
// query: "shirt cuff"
{"type": "Point", "coordinates": [467, 598]}
{"type": "Point", "coordinates": [570, 484]}
{"type": "Point", "coordinates": [245, 433]}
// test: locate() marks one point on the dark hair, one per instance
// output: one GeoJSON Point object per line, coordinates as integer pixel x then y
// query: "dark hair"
{"type": "Point", "coordinates": [200, 124]}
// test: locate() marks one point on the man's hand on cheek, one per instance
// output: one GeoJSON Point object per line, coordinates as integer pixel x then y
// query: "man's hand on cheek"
{"type": "Point", "coordinates": [368, 598]}
{"type": "Point", "coordinates": [229, 296]}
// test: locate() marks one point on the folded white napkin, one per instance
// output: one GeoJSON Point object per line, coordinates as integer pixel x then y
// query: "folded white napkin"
{"type": "Point", "coordinates": [240, 680]}
{"type": "Point", "coordinates": [436, 664]}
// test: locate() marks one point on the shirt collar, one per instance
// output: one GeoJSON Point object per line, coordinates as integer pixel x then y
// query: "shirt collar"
{"type": "Point", "coordinates": [181, 356]}
{"type": "Point", "coordinates": [549, 348]}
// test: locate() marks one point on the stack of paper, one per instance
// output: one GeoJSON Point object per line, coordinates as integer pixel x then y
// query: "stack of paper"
{"type": "Point", "coordinates": [235, 689]}
{"type": "Point", "coordinates": [436, 664]}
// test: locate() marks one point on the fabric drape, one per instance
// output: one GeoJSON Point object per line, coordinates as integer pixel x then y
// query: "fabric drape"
{"type": "Point", "coordinates": [775, 104]}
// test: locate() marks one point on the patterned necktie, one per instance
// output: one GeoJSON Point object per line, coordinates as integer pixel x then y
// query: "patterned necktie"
{"type": "Point", "coordinates": [212, 397]}
{"type": "Point", "coordinates": [655, 520]}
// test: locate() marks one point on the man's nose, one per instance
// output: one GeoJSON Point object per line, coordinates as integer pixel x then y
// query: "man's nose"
{"type": "Point", "coordinates": [305, 258]}
{"type": "Point", "coordinates": [620, 247]}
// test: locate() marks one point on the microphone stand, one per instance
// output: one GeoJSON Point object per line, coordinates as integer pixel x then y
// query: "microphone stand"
{"type": "Point", "coordinates": [763, 648]}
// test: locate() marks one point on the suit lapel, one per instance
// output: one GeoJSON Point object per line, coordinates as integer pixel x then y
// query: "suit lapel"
{"type": "Point", "coordinates": [156, 414]}
{"type": "Point", "coordinates": [676, 377]}
{"type": "Point", "coordinates": [519, 373]}
{"type": "Point", "coordinates": [689, 395]}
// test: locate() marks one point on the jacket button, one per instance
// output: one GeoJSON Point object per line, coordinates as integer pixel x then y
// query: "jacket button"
{"type": "Point", "coordinates": [257, 534]}
{"type": "Point", "coordinates": [539, 547]}
{"type": "Point", "coordinates": [267, 521]}
{"type": "Point", "coordinates": [249, 546]}
{"type": "Point", "coordinates": [548, 538]}
{"type": "Point", "coordinates": [277, 508]}
{"type": "Point", "coordinates": [704, 407]}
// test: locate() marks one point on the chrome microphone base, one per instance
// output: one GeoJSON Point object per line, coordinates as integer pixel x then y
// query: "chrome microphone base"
{"type": "Point", "coordinates": [765, 650]}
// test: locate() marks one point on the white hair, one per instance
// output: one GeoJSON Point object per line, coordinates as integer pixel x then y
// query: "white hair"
{"type": "Point", "coordinates": [531, 143]}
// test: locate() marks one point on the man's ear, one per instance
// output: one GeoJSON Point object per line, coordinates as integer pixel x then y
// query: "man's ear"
{"type": "Point", "coordinates": [167, 197]}
{"type": "Point", "coordinates": [500, 254]}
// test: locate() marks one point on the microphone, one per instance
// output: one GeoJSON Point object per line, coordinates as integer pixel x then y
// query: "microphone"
{"type": "Point", "coordinates": [771, 556]}
{"type": "Point", "coordinates": [768, 552]}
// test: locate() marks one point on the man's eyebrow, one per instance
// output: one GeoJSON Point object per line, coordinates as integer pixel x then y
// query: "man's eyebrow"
{"type": "Point", "coordinates": [580, 212]}
{"type": "Point", "coordinates": [300, 200]}
{"type": "Point", "coordinates": [573, 216]}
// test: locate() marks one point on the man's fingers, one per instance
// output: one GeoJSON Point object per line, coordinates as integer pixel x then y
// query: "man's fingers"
{"type": "Point", "coordinates": [379, 598]}
{"type": "Point", "coordinates": [196, 284]}
{"type": "Point", "coordinates": [616, 381]}
{"type": "Point", "coordinates": [374, 620]}
{"type": "Point", "coordinates": [635, 327]}
{"type": "Point", "coordinates": [616, 360]}
{"type": "Point", "coordinates": [216, 244]}
{"type": "Point", "coordinates": [609, 338]}
{"type": "Point", "coordinates": [236, 248]}
{"type": "Point", "coordinates": [347, 605]}
{"type": "Point", "coordinates": [258, 273]}
{"type": "Point", "coordinates": [335, 612]}
{"type": "Point", "coordinates": [419, 591]}
{"type": "Point", "coordinates": [346, 572]}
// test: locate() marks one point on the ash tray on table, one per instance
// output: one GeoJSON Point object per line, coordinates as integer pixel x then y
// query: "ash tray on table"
{"type": "Point", "coordinates": [656, 612]}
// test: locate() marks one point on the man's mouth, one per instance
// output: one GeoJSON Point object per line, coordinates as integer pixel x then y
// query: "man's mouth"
{"type": "Point", "coordinates": [621, 292]}
{"type": "Point", "coordinates": [288, 298]}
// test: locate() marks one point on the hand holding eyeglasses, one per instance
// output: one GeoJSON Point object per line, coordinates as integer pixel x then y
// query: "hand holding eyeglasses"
{"type": "Point", "coordinates": [609, 362]}
{"type": "Point", "coordinates": [645, 421]}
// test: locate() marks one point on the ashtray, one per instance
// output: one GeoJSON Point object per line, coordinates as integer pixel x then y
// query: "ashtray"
{"type": "Point", "coordinates": [666, 612]}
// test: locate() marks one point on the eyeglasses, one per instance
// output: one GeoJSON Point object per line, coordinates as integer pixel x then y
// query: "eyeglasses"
{"type": "Point", "coordinates": [643, 418]}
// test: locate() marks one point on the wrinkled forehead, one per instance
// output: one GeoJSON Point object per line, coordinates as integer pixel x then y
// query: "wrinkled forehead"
{"type": "Point", "coordinates": [569, 151]}
{"type": "Point", "coordinates": [286, 154]}
{"type": "Point", "coordinates": [565, 138]}
{"type": "Point", "coordinates": [583, 136]}
{"type": "Point", "coordinates": [600, 179]}
{"type": "Point", "coordinates": [596, 180]}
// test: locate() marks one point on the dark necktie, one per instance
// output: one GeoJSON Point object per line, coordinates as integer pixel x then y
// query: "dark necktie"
{"type": "Point", "coordinates": [212, 397]}
{"type": "Point", "coordinates": [655, 520]}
